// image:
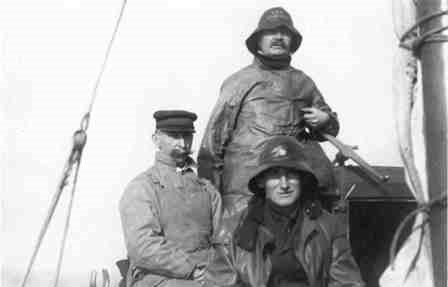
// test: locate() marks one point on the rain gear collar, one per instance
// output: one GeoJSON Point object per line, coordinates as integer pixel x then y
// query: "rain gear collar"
{"type": "Point", "coordinates": [273, 62]}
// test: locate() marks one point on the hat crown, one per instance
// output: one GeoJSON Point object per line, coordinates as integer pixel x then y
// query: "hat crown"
{"type": "Point", "coordinates": [280, 149]}
{"type": "Point", "coordinates": [175, 120]}
{"type": "Point", "coordinates": [275, 17]}
{"type": "Point", "coordinates": [164, 114]}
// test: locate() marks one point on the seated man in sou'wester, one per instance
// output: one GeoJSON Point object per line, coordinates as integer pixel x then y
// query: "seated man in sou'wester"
{"type": "Point", "coordinates": [284, 238]}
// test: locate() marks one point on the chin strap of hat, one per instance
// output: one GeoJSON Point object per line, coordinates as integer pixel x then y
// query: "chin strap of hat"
{"type": "Point", "coordinates": [71, 168]}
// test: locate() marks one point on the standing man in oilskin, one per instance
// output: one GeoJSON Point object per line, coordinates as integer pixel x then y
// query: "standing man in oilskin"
{"type": "Point", "coordinates": [267, 98]}
{"type": "Point", "coordinates": [169, 215]}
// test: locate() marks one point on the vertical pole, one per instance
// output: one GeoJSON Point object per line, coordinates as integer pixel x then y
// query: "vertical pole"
{"type": "Point", "coordinates": [434, 61]}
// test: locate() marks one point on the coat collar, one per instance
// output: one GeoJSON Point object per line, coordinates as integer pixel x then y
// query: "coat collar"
{"type": "Point", "coordinates": [306, 228]}
{"type": "Point", "coordinates": [265, 63]}
{"type": "Point", "coordinates": [168, 163]}
{"type": "Point", "coordinates": [303, 244]}
{"type": "Point", "coordinates": [251, 231]}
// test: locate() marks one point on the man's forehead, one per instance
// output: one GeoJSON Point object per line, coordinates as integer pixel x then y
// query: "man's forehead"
{"type": "Point", "coordinates": [282, 29]}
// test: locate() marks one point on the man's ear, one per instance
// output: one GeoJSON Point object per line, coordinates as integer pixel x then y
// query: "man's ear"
{"type": "Point", "coordinates": [260, 182]}
{"type": "Point", "coordinates": [155, 139]}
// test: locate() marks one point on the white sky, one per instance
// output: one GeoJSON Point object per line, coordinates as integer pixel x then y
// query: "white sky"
{"type": "Point", "coordinates": [168, 54]}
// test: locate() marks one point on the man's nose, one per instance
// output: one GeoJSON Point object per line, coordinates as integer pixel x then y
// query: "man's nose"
{"type": "Point", "coordinates": [284, 182]}
{"type": "Point", "coordinates": [181, 142]}
{"type": "Point", "coordinates": [278, 35]}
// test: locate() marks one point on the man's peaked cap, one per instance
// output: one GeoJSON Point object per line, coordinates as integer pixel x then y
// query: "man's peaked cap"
{"type": "Point", "coordinates": [175, 120]}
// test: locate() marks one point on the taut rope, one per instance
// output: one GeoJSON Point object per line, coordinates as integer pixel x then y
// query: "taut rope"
{"type": "Point", "coordinates": [72, 163]}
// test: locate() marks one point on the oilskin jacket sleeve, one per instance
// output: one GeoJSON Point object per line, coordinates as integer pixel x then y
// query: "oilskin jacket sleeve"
{"type": "Point", "coordinates": [332, 125]}
{"type": "Point", "coordinates": [218, 133]}
{"type": "Point", "coordinates": [225, 266]}
{"type": "Point", "coordinates": [216, 203]}
{"type": "Point", "coordinates": [343, 270]}
{"type": "Point", "coordinates": [211, 153]}
{"type": "Point", "coordinates": [146, 245]}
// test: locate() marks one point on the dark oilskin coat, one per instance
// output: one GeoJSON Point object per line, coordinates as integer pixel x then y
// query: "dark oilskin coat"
{"type": "Point", "coordinates": [169, 219]}
{"type": "Point", "coordinates": [320, 245]}
{"type": "Point", "coordinates": [254, 104]}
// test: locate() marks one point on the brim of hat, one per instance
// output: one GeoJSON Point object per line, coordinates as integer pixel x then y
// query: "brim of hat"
{"type": "Point", "coordinates": [177, 130]}
{"type": "Point", "coordinates": [298, 166]}
{"type": "Point", "coordinates": [252, 40]}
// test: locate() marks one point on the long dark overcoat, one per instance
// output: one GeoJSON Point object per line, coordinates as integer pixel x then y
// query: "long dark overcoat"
{"type": "Point", "coordinates": [320, 245]}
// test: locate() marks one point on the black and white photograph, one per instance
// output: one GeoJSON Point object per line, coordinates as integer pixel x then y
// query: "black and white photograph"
{"type": "Point", "coordinates": [224, 143]}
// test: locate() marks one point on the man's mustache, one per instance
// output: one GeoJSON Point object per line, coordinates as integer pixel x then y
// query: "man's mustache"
{"type": "Point", "coordinates": [181, 153]}
{"type": "Point", "coordinates": [280, 43]}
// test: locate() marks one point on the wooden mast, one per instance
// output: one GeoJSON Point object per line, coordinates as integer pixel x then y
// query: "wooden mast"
{"type": "Point", "coordinates": [434, 59]}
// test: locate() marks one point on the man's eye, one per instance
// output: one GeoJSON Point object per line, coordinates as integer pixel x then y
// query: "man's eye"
{"type": "Point", "coordinates": [293, 176]}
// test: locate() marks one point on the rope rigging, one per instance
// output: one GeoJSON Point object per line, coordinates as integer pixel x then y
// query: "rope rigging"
{"type": "Point", "coordinates": [411, 41]}
{"type": "Point", "coordinates": [425, 208]}
{"type": "Point", "coordinates": [71, 167]}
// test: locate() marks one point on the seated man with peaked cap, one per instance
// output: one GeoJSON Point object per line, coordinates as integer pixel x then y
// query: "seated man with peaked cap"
{"type": "Point", "coordinates": [168, 214]}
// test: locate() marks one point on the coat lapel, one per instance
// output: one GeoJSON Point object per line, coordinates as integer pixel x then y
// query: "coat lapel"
{"type": "Point", "coordinates": [259, 264]}
{"type": "Point", "coordinates": [309, 249]}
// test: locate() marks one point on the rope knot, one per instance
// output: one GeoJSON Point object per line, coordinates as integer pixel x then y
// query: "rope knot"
{"type": "Point", "coordinates": [413, 39]}
{"type": "Point", "coordinates": [79, 140]}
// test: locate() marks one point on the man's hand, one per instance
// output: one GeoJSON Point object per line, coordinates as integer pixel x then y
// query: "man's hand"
{"type": "Point", "coordinates": [199, 274]}
{"type": "Point", "coordinates": [315, 117]}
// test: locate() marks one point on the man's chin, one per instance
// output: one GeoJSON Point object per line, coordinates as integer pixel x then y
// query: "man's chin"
{"type": "Point", "coordinates": [286, 200]}
{"type": "Point", "coordinates": [278, 52]}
